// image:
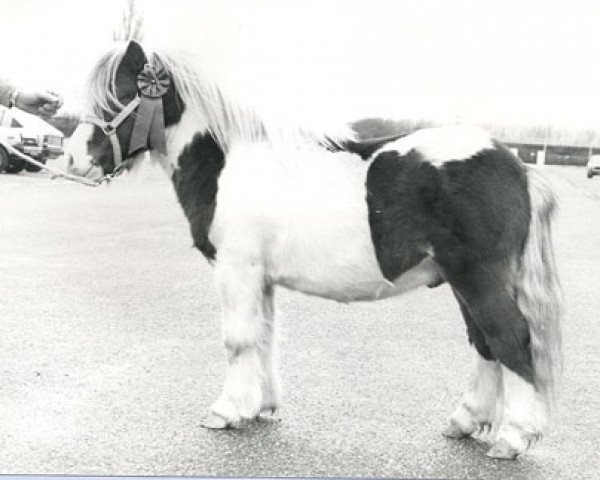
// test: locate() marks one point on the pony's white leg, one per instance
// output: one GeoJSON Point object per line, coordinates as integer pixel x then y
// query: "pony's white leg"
{"type": "Point", "coordinates": [250, 385]}
{"type": "Point", "coordinates": [524, 417]}
{"type": "Point", "coordinates": [477, 409]}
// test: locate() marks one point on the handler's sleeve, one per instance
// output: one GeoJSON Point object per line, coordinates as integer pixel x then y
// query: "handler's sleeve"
{"type": "Point", "coordinates": [6, 89]}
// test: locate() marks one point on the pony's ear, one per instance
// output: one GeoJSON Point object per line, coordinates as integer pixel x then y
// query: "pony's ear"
{"type": "Point", "coordinates": [131, 65]}
{"type": "Point", "coordinates": [134, 58]}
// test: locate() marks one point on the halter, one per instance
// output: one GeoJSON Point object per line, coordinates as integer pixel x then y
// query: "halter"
{"type": "Point", "coordinates": [110, 129]}
{"type": "Point", "coordinates": [149, 127]}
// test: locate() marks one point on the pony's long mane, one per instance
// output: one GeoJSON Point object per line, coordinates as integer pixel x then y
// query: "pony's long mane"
{"type": "Point", "coordinates": [228, 117]}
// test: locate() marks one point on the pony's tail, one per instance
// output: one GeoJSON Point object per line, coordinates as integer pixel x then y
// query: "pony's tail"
{"type": "Point", "coordinates": [539, 293]}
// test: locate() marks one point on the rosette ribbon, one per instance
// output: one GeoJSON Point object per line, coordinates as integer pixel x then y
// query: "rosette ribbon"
{"type": "Point", "coordinates": [149, 127]}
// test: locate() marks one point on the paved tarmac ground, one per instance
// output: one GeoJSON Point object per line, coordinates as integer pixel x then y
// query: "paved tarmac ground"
{"type": "Point", "coordinates": [110, 353]}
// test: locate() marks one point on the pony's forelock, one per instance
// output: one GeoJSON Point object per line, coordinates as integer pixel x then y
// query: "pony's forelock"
{"type": "Point", "coordinates": [228, 116]}
{"type": "Point", "coordinates": [101, 84]}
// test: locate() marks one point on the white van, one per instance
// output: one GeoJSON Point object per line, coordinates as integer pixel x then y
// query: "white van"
{"type": "Point", "coordinates": [28, 134]}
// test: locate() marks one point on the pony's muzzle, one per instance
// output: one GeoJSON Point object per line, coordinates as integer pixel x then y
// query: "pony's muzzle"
{"type": "Point", "coordinates": [90, 171]}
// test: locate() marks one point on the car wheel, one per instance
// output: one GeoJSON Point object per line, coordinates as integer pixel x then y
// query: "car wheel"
{"type": "Point", "coordinates": [15, 165]}
{"type": "Point", "coordinates": [30, 167]}
{"type": "Point", "coordinates": [3, 159]}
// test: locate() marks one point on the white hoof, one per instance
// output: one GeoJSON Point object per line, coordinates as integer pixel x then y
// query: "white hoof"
{"type": "Point", "coordinates": [215, 422]}
{"type": "Point", "coordinates": [511, 442]}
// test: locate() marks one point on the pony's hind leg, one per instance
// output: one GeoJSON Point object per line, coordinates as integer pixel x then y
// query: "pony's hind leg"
{"type": "Point", "coordinates": [250, 384]}
{"type": "Point", "coordinates": [476, 411]}
{"type": "Point", "coordinates": [490, 299]}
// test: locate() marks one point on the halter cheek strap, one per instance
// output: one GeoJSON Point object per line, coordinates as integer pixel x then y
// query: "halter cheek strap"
{"type": "Point", "coordinates": [110, 128]}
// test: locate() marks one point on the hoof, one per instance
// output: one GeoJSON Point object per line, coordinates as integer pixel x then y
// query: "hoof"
{"type": "Point", "coordinates": [453, 430]}
{"type": "Point", "coordinates": [502, 450]}
{"type": "Point", "coordinates": [215, 422]}
{"type": "Point", "coordinates": [271, 410]}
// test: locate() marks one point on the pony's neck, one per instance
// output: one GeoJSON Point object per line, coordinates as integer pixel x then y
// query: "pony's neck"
{"type": "Point", "coordinates": [231, 116]}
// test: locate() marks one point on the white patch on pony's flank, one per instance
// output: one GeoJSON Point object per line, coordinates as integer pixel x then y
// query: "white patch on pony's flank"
{"type": "Point", "coordinates": [480, 409]}
{"type": "Point", "coordinates": [443, 144]}
{"type": "Point", "coordinates": [524, 413]}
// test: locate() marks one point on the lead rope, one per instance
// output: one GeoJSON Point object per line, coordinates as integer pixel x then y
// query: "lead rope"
{"type": "Point", "coordinates": [57, 174]}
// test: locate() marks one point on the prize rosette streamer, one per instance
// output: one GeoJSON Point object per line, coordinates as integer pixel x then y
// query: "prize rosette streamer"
{"type": "Point", "coordinates": [149, 128]}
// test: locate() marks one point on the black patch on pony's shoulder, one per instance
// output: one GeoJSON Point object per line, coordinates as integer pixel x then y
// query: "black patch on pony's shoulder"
{"type": "Point", "coordinates": [469, 211]}
{"type": "Point", "coordinates": [195, 182]}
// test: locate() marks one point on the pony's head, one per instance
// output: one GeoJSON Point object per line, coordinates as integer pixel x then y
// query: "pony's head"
{"type": "Point", "coordinates": [131, 100]}
{"type": "Point", "coordinates": [127, 83]}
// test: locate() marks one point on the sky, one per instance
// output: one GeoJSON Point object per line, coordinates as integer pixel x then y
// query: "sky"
{"type": "Point", "coordinates": [506, 61]}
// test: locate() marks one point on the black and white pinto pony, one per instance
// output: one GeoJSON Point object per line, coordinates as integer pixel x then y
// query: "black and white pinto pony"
{"type": "Point", "coordinates": [322, 213]}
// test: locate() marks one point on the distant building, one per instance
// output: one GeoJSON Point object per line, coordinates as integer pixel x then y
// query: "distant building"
{"type": "Point", "coordinates": [555, 154]}
{"type": "Point", "coordinates": [561, 146]}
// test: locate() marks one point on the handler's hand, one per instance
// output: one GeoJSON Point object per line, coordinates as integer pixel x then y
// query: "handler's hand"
{"type": "Point", "coordinates": [43, 103]}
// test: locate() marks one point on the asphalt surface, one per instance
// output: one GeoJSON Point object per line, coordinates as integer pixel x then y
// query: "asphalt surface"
{"type": "Point", "coordinates": [110, 353]}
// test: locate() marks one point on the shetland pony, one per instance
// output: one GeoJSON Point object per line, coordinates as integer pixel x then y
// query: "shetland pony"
{"type": "Point", "coordinates": [319, 212]}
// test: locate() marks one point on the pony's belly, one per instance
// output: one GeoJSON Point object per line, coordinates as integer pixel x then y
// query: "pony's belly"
{"type": "Point", "coordinates": [338, 289]}
{"type": "Point", "coordinates": [329, 253]}
{"type": "Point", "coordinates": [350, 284]}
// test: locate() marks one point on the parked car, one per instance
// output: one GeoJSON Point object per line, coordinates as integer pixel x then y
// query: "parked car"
{"type": "Point", "coordinates": [28, 134]}
{"type": "Point", "coordinates": [593, 166]}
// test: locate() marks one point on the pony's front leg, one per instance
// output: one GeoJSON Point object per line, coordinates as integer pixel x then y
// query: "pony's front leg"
{"type": "Point", "coordinates": [250, 384]}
